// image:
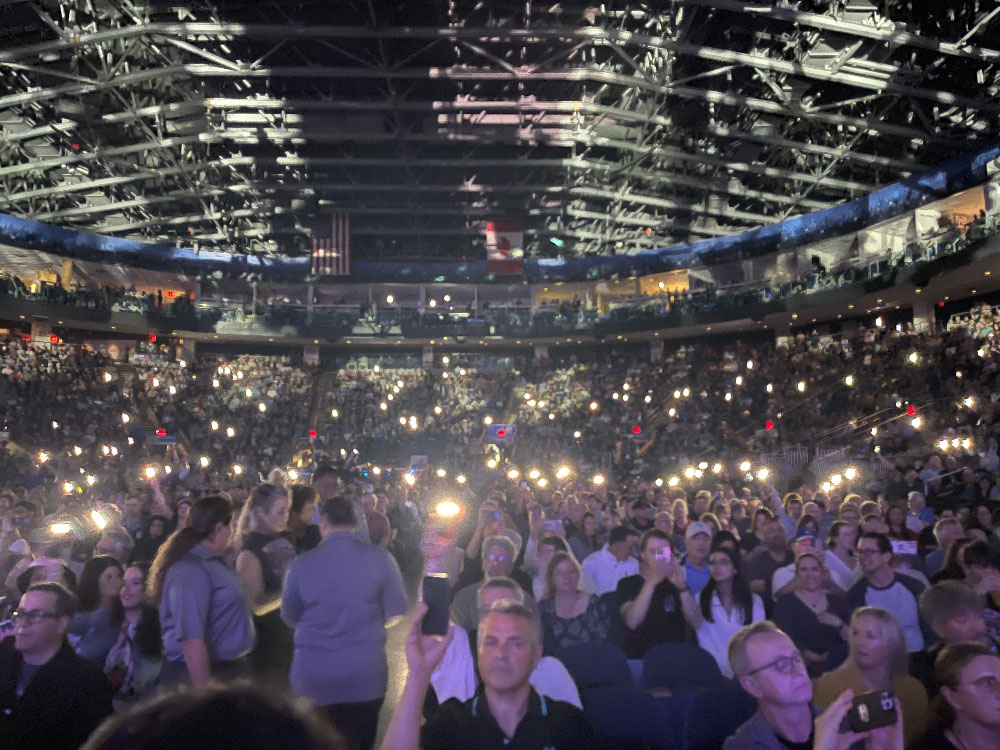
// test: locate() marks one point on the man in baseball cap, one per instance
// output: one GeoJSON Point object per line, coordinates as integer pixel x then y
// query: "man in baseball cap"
{"type": "Point", "coordinates": [698, 539]}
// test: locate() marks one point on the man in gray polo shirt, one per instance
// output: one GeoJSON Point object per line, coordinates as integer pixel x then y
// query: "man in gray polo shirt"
{"type": "Point", "coordinates": [340, 597]}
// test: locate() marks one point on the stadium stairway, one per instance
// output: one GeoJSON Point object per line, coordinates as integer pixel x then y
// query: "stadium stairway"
{"type": "Point", "coordinates": [319, 414]}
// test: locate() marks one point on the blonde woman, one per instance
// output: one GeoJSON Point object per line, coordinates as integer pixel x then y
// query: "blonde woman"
{"type": "Point", "coordinates": [569, 615]}
{"type": "Point", "coordinates": [878, 661]}
{"type": "Point", "coordinates": [265, 552]}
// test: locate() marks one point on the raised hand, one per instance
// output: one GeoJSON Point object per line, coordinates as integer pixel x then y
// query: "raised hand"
{"type": "Point", "coordinates": [424, 652]}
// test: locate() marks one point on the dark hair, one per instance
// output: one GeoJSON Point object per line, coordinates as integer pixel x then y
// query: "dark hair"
{"type": "Point", "coordinates": [742, 595]}
{"type": "Point", "coordinates": [164, 521]}
{"type": "Point", "coordinates": [557, 543]}
{"type": "Point", "coordinates": [68, 578]}
{"type": "Point", "coordinates": [978, 552]}
{"type": "Point", "coordinates": [66, 601]}
{"type": "Point", "coordinates": [322, 471]}
{"type": "Point", "coordinates": [88, 589]}
{"type": "Point", "coordinates": [651, 534]}
{"type": "Point", "coordinates": [884, 545]}
{"type": "Point", "coordinates": [202, 519]}
{"type": "Point", "coordinates": [835, 528]}
{"type": "Point", "coordinates": [148, 634]}
{"type": "Point", "coordinates": [339, 511]}
{"type": "Point", "coordinates": [721, 537]}
{"type": "Point", "coordinates": [947, 668]}
{"type": "Point", "coordinates": [239, 715]}
{"type": "Point", "coordinates": [807, 520]}
{"type": "Point", "coordinates": [902, 523]}
{"type": "Point", "coordinates": [951, 569]}
{"type": "Point", "coordinates": [300, 495]}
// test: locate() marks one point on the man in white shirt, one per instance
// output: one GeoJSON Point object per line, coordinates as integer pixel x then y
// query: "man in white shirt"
{"type": "Point", "coordinates": [608, 566]}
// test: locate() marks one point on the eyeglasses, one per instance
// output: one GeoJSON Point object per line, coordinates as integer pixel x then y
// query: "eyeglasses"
{"type": "Point", "coordinates": [497, 558]}
{"type": "Point", "coordinates": [31, 616]}
{"type": "Point", "coordinates": [868, 552]}
{"type": "Point", "coordinates": [781, 665]}
{"type": "Point", "coordinates": [989, 682]}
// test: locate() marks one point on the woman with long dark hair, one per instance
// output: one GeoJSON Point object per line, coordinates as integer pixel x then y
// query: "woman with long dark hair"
{"type": "Point", "coordinates": [135, 657]}
{"type": "Point", "coordinates": [205, 616]}
{"type": "Point", "coordinates": [723, 608]}
{"type": "Point", "coordinates": [99, 584]}
{"type": "Point", "coordinates": [150, 538]}
{"type": "Point", "coordinates": [966, 713]}
{"type": "Point", "coordinates": [895, 519]}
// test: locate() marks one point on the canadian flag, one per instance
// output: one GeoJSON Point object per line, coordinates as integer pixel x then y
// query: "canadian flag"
{"type": "Point", "coordinates": [505, 246]}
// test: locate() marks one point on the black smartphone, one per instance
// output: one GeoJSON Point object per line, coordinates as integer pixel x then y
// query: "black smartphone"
{"type": "Point", "coordinates": [436, 595]}
{"type": "Point", "coordinates": [870, 711]}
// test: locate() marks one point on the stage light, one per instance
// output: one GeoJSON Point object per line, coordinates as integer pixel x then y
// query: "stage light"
{"type": "Point", "coordinates": [801, 386]}
{"type": "Point", "coordinates": [849, 380]}
{"type": "Point", "coordinates": [597, 480]}
{"type": "Point", "coordinates": [441, 473]}
{"type": "Point", "coordinates": [745, 466]}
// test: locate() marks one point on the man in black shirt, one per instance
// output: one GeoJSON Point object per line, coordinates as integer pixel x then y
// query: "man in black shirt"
{"type": "Point", "coordinates": [505, 712]}
{"type": "Point", "coordinates": [49, 696]}
{"type": "Point", "coordinates": [649, 603]}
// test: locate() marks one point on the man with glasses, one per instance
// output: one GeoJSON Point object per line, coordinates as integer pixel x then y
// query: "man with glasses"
{"type": "Point", "coordinates": [499, 554]}
{"type": "Point", "coordinates": [49, 696]}
{"type": "Point", "coordinates": [883, 587]}
{"type": "Point", "coordinates": [770, 668]}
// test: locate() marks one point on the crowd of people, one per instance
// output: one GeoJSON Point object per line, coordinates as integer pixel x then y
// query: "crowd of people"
{"type": "Point", "coordinates": [131, 569]}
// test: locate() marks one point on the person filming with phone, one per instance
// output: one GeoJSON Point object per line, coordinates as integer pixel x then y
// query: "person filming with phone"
{"type": "Point", "coordinates": [505, 709]}
{"type": "Point", "coordinates": [650, 603]}
{"type": "Point", "coordinates": [877, 661]}
{"type": "Point", "coordinates": [769, 667]}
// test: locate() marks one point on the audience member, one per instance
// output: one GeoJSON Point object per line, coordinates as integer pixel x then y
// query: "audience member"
{"type": "Point", "coordinates": [877, 661]}
{"type": "Point", "coordinates": [49, 696]}
{"type": "Point", "coordinates": [204, 614]}
{"type": "Point", "coordinates": [339, 598]}
{"type": "Point", "coordinates": [505, 709]}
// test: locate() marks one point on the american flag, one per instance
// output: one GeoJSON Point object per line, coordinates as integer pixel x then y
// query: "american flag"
{"type": "Point", "coordinates": [331, 255]}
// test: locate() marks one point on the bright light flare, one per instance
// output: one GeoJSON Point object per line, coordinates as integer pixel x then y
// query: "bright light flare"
{"type": "Point", "coordinates": [597, 480]}
{"type": "Point", "coordinates": [99, 520]}
{"type": "Point", "coordinates": [447, 509]}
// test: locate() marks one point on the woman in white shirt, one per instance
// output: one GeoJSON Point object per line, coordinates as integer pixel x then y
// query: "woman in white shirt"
{"type": "Point", "coordinates": [725, 606]}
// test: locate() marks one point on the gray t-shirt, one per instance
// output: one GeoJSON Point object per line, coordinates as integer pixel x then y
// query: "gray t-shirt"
{"type": "Point", "coordinates": [203, 598]}
{"type": "Point", "coordinates": [900, 601]}
{"type": "Point", "coordinates": [338, 598]}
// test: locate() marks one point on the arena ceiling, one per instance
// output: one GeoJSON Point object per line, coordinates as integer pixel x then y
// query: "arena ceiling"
{"type": "Point", "coordinates": [608, 127]}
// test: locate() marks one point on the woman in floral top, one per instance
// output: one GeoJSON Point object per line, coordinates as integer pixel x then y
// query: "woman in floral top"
{"type": "Point", "coordinates": [568, 614]}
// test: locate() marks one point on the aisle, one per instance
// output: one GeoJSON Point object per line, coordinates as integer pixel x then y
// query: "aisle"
{"type": "Point", "coordinates": [395, 651]}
